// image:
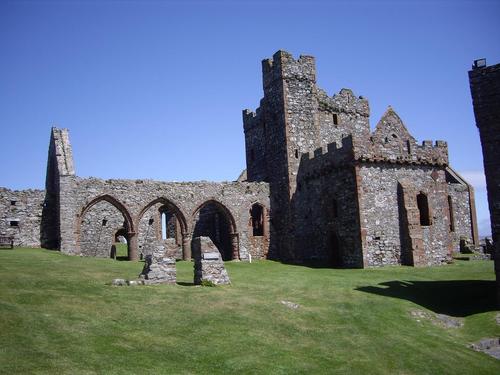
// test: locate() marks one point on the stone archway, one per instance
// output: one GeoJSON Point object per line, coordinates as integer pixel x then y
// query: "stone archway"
{"type": "Point", "coordinates": [149, 226]}
{"type": "Point", "coordinates": [98, 222]}
{"type": "Point", "coordinates": [213, 219]}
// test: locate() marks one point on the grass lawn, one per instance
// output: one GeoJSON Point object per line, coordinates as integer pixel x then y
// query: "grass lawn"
{"type": "Point", "coordinates": [59, 315]}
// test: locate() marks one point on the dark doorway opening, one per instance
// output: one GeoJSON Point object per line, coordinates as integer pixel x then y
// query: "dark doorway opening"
{"type": "Point", "coordinates": [212, 221]}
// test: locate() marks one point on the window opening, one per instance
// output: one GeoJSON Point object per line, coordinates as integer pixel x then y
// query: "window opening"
{"type": "Point", "coordinates": [452, 217]}
{"type": "Point", "coordinates": [257, 214]}
{"type": "Point", "coordinates": [423, 208]}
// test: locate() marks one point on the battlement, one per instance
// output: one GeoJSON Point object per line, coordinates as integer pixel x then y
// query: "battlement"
{"type": "Point", "coordinates": [345, 101]}
{"type": "Point", "coordinates": [284, 66]}
{"type": "Point", "coordinates": [323, 159]}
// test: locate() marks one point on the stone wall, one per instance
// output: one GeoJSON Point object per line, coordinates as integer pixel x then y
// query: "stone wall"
{"type": "Point", "coordinates": [100, 223]}
{"type": "Point", "coordinates": [325, 208]}
{"type": "Point", "coordinates": [462, 217]}
{"type": "Point", "coordinates": [21, 216]}
{"type": "Point", "coordinates": [381, 212]}
{"type": "Point", "coordinates": [134, 200]}
{"type": "Point", "coordinates": [485, 89]}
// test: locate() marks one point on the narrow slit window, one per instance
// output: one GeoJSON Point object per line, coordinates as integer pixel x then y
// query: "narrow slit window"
{"type": "Point", "coordinates": [296, 154]}
{"type": "Point", "coordinates": [423, 208]}
{"type": "Point", "coordinates": [14, 223]}
{"type": "Point", "coordinates": [452, 217]}
{"type": "Point", "coordinates": [335, 119]}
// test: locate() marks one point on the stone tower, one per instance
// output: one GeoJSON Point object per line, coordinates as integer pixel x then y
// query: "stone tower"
{"type": "Point", "coordinates": [295, 117]}
{"type": "Point", "coordinates": [485, 89]}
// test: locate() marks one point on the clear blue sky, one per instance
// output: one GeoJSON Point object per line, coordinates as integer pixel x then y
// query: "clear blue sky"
{"type": "Point", "coordinates": [155, 89]}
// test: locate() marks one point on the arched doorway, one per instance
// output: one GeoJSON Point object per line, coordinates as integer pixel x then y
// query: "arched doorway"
{"type": "Point", "coordinates": [258, 231]}
{"type": "Point", "coordinates": [212, 219]}
{"type": "Point", "coordinates": [98, 225]}
{"type": "Point", "coordinates": [119, 249]}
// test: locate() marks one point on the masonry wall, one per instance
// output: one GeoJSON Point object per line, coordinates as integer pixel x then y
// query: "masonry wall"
{"type": "Point", "coordinates": [99, 225]}
{"type": "Point", "coordinates": [485, 89]}
{"type": "Point", "coordinates": [381, 212]}
{"type": "Point", "coordinates": [462, 215]}
{"type": "Point", "coordinates": [21, 216]}
{"type": "Point", "coordinates": [133, 198]}
{"type": "Point", "coordinates": [326, 215]}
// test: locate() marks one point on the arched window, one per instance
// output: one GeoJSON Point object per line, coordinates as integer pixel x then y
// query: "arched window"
{"type": "Point", "coordinates": [168, 223]}
{"type": "Point", "coordinates": [257, 213]}
{"type": "Point", "coordinates": [452, 217]}
{"type": "Point", "coordinates": [423, 208]}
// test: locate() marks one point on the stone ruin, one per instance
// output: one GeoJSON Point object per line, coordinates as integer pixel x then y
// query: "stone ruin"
{"type": "Point", "coordinates": [485, 90]}
{"type": "Point", "coordinates": [159, 268]}
{"type": "Point", "coordinates": [208, 264]}
{"type": "Point", "coordinates": [319, 187]}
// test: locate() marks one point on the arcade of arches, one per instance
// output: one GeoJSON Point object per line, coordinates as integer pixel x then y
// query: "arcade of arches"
{"type": "Point", "coordinates": [104, 222]}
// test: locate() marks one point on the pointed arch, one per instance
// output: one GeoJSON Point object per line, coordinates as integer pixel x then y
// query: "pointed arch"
{"type": "Point", "coordinates": [128, 221]}
{"type": "Point", "coordinates": [258, 219]}
{"type": "Point", "coordinates": [171, 206]}
{"type": "Point", "coordinates": [213, 219]}
{"type": "Point", "coordinates": [113, 201]}
{"type": "Point", "coordinates": [227, 213]}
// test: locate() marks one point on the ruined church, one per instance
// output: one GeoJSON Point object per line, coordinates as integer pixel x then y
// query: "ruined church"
{"type": "Point", "coordinates": [319, 187]}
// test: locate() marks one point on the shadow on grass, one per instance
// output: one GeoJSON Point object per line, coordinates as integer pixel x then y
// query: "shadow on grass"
{"type": "Point", "coordinates": [457, 298]}
{"type": "Point", "coordinates": [182, 283]}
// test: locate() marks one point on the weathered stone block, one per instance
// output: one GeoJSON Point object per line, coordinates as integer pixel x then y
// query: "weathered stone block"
{"type": "Point", "coordinates": [158, 269]}
{"type": "Point", "coordinates": [208, 264]}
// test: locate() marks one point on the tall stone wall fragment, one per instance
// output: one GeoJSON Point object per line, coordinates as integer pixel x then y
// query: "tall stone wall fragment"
{"type": "Point", "coordinates": [485, 89]}
{"type": "Point", "coordinates": [208, 264]}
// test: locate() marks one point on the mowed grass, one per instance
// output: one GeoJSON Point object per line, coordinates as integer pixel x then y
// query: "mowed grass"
{"type": "Point", "coordinates": [60, 315]}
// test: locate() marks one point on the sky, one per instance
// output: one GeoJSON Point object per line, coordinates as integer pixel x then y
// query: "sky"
{"type": "Point", "coordinates": [155, 89]}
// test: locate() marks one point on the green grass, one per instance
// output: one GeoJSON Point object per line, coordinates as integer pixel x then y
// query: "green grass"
{"type": "Point", "coordinates": [59, 315]}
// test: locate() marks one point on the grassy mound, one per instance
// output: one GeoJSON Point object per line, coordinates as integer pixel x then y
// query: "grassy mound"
{"type": "Point", "coordinates": [59, 315]}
